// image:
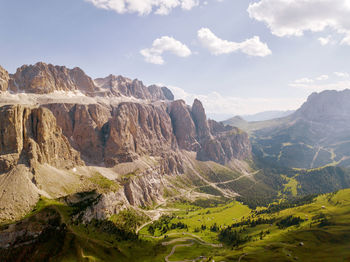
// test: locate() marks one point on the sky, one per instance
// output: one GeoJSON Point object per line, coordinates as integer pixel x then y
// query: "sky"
{"type": "Point", "coordinates": [238, 57]}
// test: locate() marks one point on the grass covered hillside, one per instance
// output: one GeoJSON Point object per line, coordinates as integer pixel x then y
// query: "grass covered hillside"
{"type": "Point", "coordinates": [315, 228]}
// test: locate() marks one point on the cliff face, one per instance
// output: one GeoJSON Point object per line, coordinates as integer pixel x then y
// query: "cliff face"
{"type": "Point", "coordinates": [42, 78]}
{"type": "Point", "coordinates": [326, 106]}
{"type": "Point", "coordinates": [184, 128]}
{"type": "Point", "coordinates": [4, 79]}
{"type": "Point", "coordinates": [84, 126]}
{"type": "Point", "coordinates": [211, 140]}
{"type": "Point", "coordinates": [137, 129]}
{"type": "Point", "coordinates": [134, 133]}
{"type": "Point", "coordinates": [29, 136]}
{"type": "Point", "coordinates": [121, 86]}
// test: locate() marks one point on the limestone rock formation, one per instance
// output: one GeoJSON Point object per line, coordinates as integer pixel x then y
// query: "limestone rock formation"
{"type": "Point", "coordinates": [122, 86]}
{"type": "Point", "coordinates": [184, 128]}
{"type": "Point", "coordinates": [84, 126]}
{"type": "Point", "coordinates": [29, 136]}
{"type": "Point", "coordinates": [134, 133]}
{"type": "Point", "coordinates": [211, 140]}
{"type": "Point", "coordinates": [44, 78]}
{"type": "Point", "coordinates": [200, 120]}
{"type": "Point", "coordinates": [4, 79]}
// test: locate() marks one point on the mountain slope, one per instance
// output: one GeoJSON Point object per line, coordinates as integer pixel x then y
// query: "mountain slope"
{"type": "Point", "coordinates": [131, 143]}
{"type": "Point", "coordinates": [315, 135]}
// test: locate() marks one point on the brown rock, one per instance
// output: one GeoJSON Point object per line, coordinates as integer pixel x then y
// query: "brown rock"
{"type": "Point", "coordinates": [44, 78]}
{"type": "Point", "coordinates": [122, 86]}
{"type": "Point", "coordinates": [4, 79]}
{"type": "Point", "coordinates": [30, 136]}
{"type": "Point", "coordinates": [138, 129]}
{"type": "Point", "coordinates": [200, 120]}
{"type": "Point", "coordinates": [226, 145]}
{"type": "Point", "coordinates": [184, 128]}
{"type": "Point", "coordinates": [84, 127]}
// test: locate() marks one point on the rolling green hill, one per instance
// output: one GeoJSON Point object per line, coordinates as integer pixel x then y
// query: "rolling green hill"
{"type": "Point", "coordinates": [312, 229]}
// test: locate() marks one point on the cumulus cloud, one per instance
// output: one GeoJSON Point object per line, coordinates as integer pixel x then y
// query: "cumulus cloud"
{"type": "Point", "coordinates": [325, 40]}
{"type": "Point", "coordinates": [294, 17]}
{"type": "Point", "coordinates": [342, 74]}
{"type": "Point", "coordinates": [217, 46]}
{"type": "Point", "coordinates": [323, 82]}
{"type": "Point", "coordinates": [304, 80]}
{"type": "Point", "coordinates": [322, 77]}
{"type": "Point", "coordinates": [164, 44]}
{"type": "Point", "coordinates": [144, 7]}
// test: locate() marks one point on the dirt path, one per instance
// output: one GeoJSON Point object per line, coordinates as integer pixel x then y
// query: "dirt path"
{"type": "Point", "coordinates": [240, 258]}
{"type": "Point", "coordinates": [192, 240]}
{"type": "Point", "coordinates": [315, 157]}
{"type": "Point", "coordinates": [173, 251]}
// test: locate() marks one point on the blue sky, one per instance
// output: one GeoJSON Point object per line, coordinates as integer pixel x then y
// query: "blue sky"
{"type": "Point", "coordinates": [250, 56]}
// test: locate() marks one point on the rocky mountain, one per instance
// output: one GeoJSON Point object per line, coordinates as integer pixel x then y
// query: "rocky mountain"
{"type": "Point", "coordinates": [317, 134]}
{"type": "Point", "coordinates": [30, 136]}
{"type": "Point", "coordinates": [89, 167]}
{"type": "Point", "coordinates": [59, 124]}
{"type": "Point", "coordinates": [4, 79]}
{"type": "Point", "coordinates": [44, 78]}
{"type": "Point", "coordinates": [122, 86]}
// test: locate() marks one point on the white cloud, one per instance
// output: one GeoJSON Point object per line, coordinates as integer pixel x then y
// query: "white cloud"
{"type": "Point", "coordinates": [324, 83]}
{"type": "Point", "coordinates": [304, 80]}
{"type": "Point", "coordinates": [217, 104]}
{"type": "Point", "coordinates": [217, 46]}
{"type": "Point", "coordinates": [164, 44]}
{"type": "Point", "coordinates": [294, 17]}
{"type": "Point", "coordinates": [342, 74]}
{"type": "Point", "coordinates": [189, 4]}
{"type": "Point", "coordinates": [338, 85]}
{"type": "Point", "coordinates": [322, 77]}
{"type": "Point", "coordinates": [325, 40]}
{"type": "Point", "coordinates": [144, 7]}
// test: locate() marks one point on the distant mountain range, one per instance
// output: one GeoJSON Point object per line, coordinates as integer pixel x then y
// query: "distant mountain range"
{"type": "Point", "coordinates": [267, 115]}
{"type": "Point", "coordinates": [317, 134]}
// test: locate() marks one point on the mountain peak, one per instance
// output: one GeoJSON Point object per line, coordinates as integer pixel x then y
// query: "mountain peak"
{"type": "Point", "coordinates": [329, 104]}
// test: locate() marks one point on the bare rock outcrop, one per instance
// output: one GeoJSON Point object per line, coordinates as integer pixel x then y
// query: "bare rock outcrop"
{"type": "Point", "coordinates": [200, 120]}
{"type": "Point", "coordinates": [112, 135]}
{"type": "Point", "coordinates": [29, 136]}
{"type": "Point", "coordinates": [136, 130]}
{"type": "Point", "coordinates": [122, 86]}
{"type": "Point", "coordinates": [183, 125]}
{"type": "Point", "coordinates": [4, 79]}
{"type": "Point", "coordinates": [44, 78]}
{"type": "Point", "coordinates": [83, 125]}
{"type": "Point", "coordinates": [211, 140]}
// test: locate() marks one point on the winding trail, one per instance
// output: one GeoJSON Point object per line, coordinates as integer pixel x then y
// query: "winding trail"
{"type": "Point", "coordinates": [173, 251]}
{"type": "Point", "coordinates": [191, 240]}
{"type": "Point", "coordinates": [240, 258]}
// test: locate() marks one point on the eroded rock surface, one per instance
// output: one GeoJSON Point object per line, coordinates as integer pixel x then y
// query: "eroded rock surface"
{"type": "Point", "coordinates": [4, 79]}
{"type": "Point", "coordinates": [29, 136]}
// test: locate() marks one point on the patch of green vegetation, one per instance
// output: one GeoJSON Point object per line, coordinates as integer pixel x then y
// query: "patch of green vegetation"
{"type": "Point", "coordinates": [42, 204]}
{"type": "Point", "coordinates": [129, 219]}
{"type": "Point", "coordinates": [215, 172]}
{"type": "Point", "coordinates": [210, 190]}
{"type": "Point", "coordinates": [282, 232]}
{"type": "Point", "coordinates": [291, 187]}
{"type": "Point", "coordinates": [103, 184]}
